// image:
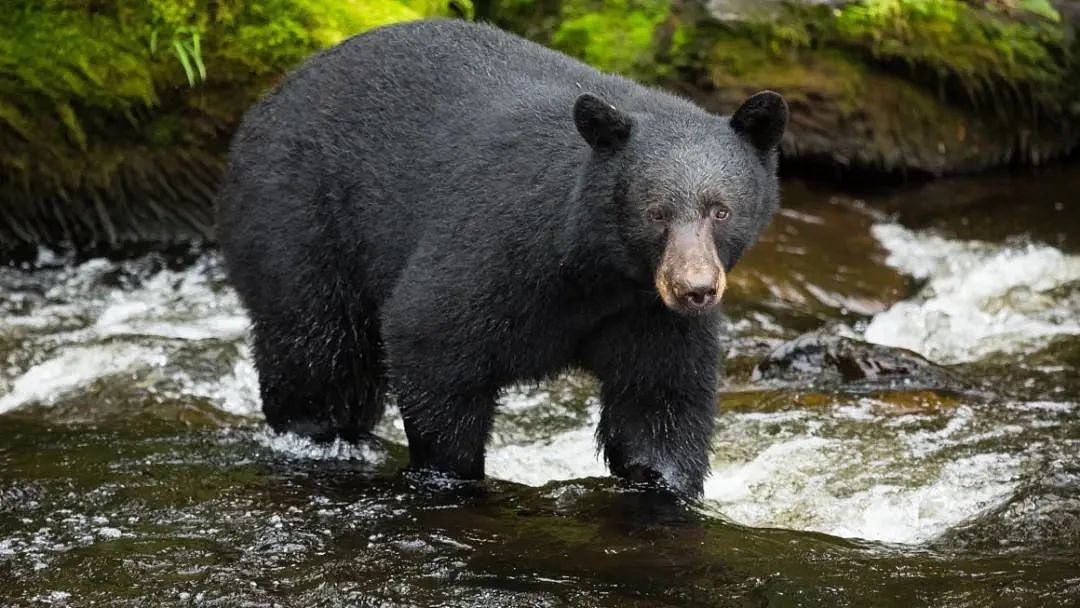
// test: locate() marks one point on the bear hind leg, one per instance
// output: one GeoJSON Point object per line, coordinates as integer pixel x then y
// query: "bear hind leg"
{"type": "Point", "coordinates": [321, 380]}
{"type": "Point", "coordinates": [447, 429]}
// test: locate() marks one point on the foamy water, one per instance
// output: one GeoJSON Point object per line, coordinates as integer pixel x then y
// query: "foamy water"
{"type": "Point", "coordinates": [853, 467]}
{"type": "Point", "coordinates": [863, 471]}
{"type": "Point", "coordinates": [74, 367]}
{"type": "Point", "coordinates": [979, 298]}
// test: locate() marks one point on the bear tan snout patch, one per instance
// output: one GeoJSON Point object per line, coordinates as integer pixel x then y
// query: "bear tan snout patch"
{"type": "Point", "coordinates": [690, 278]}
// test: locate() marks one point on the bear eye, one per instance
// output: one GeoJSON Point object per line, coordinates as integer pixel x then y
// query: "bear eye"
{"type": "Point", "coordinates": [656, 214]}
{"type": "Point", "coordinates": [719, 213]}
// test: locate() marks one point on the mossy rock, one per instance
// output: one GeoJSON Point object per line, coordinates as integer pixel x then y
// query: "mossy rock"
{"type": "Point", "coordinates": [115, 116]}
{"type": "Point", "coordinates": [922, 86]}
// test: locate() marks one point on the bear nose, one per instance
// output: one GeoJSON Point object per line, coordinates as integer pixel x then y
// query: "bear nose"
{"type": "Point", "coordinates": [697, 291]}
{"type": "Point", "coordinates": [699, 298]}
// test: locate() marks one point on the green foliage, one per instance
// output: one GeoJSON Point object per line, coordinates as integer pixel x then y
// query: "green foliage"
{"type": "Point", "coordinates": [932, 84]}
{"type": "Point", "coordinates": [188, 50]}
{"type": "Point", "coordinates": [91, 89]}
{"type": "Point", "coordinates": [133, 100]}
{"type": "Point", "coordinates": [989, 54]}
{"type": "Point", "coordinates": [980, 52]}
{"type": "Point", "coordinates": [1042, 8]}
{"type": "Point", "coordinates": [615, 36]}
{"type": "Point", "coordinates": [122, 56]}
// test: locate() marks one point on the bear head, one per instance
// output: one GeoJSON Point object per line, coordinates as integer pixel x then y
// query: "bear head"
{"type": "Point", "coordinates": [691, 191]}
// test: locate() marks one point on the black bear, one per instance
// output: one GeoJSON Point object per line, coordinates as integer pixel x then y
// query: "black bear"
{"type": "Point", "coordinates": [438, 209]}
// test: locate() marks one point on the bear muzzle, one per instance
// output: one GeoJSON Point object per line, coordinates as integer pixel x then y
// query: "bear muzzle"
{"type": "Point", "coordinates": [690, 278]}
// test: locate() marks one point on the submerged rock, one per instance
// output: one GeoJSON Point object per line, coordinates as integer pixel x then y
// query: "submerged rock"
{"type": "Point", "coordinates": [821, 358]}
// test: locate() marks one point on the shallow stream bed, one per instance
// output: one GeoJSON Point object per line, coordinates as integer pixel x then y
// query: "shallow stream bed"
{"type": "Point", "coordinates": [135, 469]}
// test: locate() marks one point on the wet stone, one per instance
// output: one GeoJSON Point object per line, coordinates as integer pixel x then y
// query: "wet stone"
{"type": "Point", "coordinates": [823, 358]}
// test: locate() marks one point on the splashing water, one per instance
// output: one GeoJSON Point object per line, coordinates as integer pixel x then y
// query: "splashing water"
{"type": "Point", "coordinates": [979, 298]}
{"type": "Point", "coordinates": [120, 347]}
{"type": "Point", "coordinates": [123, 320]}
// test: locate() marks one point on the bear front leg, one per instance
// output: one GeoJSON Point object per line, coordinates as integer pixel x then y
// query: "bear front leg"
{"type": "Point", "coordinates": [658, 374]}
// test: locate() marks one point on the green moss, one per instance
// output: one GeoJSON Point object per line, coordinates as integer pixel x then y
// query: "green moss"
{"type": "Point", "coordinates": [127, 105]}
{"type": "Point", "coordinates": [615, 36]}
{"type": "Point", "coordinates": [928, 85]}
{"type": "Point", "coordinates": [1012, 58]}
{"type": "Point", "coordinates": [989, 54]}
{"type": "Point", "coordinates": [90, 90]}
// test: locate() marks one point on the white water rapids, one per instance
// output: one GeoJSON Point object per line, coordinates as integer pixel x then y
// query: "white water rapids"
{"type": "Point", "coordinates": [856, 466]}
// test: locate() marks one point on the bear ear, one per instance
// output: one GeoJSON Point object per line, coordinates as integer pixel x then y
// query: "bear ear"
{"type": "Point", "coordinates": [762, 119]}
{"type": "Point", "coordinates": [599, 123]}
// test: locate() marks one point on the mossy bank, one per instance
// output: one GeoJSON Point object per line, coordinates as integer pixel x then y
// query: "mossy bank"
{"type": "Point", "coordinates": [924, 86]}
{"type": "Point", "coordinates": [115, 115]}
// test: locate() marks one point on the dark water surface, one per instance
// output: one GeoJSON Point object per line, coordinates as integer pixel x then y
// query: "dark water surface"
{"type": "Point", "coordinates": [135, 469]}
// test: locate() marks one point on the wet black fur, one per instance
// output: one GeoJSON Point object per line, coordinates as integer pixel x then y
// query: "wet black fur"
{"type": "Point", "coordinates": [416, 211]}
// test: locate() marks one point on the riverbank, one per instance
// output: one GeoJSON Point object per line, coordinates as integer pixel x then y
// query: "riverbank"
{"type": "Point", "coordinates": [928, 87]}
{"type": "Point", "coordinates": [115, 117]}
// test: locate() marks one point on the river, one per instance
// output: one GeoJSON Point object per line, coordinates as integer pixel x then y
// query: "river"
{"type": "Point", "coordinates": [135, 469]}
